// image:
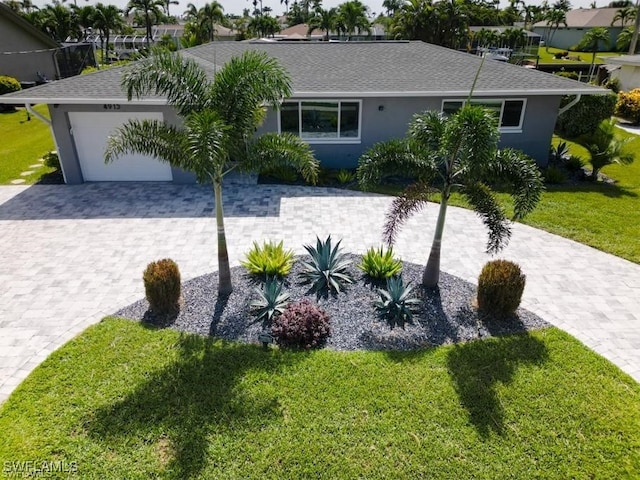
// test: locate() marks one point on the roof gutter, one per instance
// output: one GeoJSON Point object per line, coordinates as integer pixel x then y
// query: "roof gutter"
{"type": "Point", "coordinates": [44, 119]}
{"type": "Point", "coordinates": [570, 104]}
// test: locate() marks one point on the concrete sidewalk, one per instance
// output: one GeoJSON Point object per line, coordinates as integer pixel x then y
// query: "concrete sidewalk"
{"type": "Point", "coordinates": [73, 254]}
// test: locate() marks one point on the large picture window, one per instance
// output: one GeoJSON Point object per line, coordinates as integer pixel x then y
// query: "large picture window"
{"type": "Point", "coordinates": [509, 113]}
{"type": "Point", "coordinates": [321, 120]}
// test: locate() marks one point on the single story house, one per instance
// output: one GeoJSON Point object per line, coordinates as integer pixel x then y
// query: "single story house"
{"type": "Point", "coordinates": [627, 71]}
{"type": "Point", "coordinates": [346, 97]}
{"type": "Point", "coordinates": [579, 22]}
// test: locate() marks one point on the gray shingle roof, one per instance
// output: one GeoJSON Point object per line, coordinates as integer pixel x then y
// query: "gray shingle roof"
{"type": "Point", "coordinates": [356, 69]}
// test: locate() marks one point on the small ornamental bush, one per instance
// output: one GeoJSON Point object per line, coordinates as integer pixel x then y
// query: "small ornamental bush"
{"type": "Point", "coordinates": [269, 259]}
{"type": "Point", "coordinates": [52, 160]}
{"type": "Point", "coordinates": [500, 287]}
{"type": "Point", "coordinates": [628, 105]}
{"type": "Point", "coordinates": [162, 286]}
{"type": "Point", "coordinates": [554, 175]}
{"type": "Point", "coordinates": [9, 85]}
{"type": "Point", "coordinates": [380, 264]}
{"type": "Point", "coordinates": [302, 325]}
{"type": "Point", "coordinates": [573, 163]}
{"type": "Point", "coordinates": [271, 300]}
{"type": "Point", "coordinates": [345, 176]}
{"type": "Point", "coordinates": [396, 304]}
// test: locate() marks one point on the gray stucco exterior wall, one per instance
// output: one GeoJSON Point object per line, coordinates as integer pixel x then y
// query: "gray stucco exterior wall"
{"type": "Point", "coordinates": [568, 37]}
{"type": "Point", "coordinates": [24, 66]}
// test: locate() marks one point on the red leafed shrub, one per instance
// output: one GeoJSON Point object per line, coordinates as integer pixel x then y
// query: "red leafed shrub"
{"type": "Point", "coordinates": [162, 286]}
{"type": "Point", "coordinates": [302, 325]}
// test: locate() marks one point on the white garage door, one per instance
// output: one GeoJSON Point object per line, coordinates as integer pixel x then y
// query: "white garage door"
{"type": "Point", "coordinates": [90, 132]}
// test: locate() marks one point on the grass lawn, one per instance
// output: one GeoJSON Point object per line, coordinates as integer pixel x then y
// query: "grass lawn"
{"type": "Point", "coordinates": [128, 401]}
{"type": "Point", "coordinates": [23, 144]}
{"type": "Point", "coordinates": [585, 57]}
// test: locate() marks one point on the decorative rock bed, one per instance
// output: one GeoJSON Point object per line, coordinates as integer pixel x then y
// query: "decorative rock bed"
{"type": "Point", "coordinates": [445, 315]}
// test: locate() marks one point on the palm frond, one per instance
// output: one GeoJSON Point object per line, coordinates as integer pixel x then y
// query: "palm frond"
{"type": "Point", "coordinates": [487, 207]}
{"type": "Point", "coordinates": [427, 129]}
{"type": "Point", "coordinates": [148, 137]}
{"type": "Point", "coordinates": [182, 81]}
{"type": "Point", "coordinates": [273, 150]}
{"type": "Point", "coordinates": [206, 145]}
{"type": "Point", "coordinates": [412, 200]}
{"type": "Point", "coordinates": [522, 175]}
{"type": "Point", "coordinates": [391, 158]}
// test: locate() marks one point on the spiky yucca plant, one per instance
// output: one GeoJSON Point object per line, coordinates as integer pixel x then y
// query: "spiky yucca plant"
{"type": "Point", "coordinates": [395, 303]}
{"type": "Point", "coordinates": [269, 259]}
{"type": "Point", "coordinates": [327, 269]}
{"type": "Point", "coordinates": [271, 300]}
{"type": "Point", "coordinates": [380, 263]}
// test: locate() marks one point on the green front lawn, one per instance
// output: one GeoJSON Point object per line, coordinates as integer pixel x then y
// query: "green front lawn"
{"type": "Point", "coordinates": [127, 401]}
{"type": "Point", "coordinates": [585, 57]}
{"type": "Point", "coordinates": [23, 144]}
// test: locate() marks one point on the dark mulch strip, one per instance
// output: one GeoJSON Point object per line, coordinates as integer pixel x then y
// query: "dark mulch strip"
{"type": "Point", "coordinates": [445, 315]}
{"type": "Point", "coordinates": [53, 178]}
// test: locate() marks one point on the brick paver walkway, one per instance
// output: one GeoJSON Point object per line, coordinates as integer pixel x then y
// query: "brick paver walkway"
{"type": "Point", "coordinates": [73, 254]}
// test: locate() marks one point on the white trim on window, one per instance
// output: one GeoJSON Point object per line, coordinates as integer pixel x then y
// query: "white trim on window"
{"type": "Point", "coordinates": [512, 129]}
{"type": "Point", "coordinates": [311, 140]}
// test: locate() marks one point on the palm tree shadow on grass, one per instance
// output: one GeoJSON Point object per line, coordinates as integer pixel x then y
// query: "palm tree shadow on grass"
{"type": "Point", "coordinates": [477, 367]}
{"type": "Point", "coordinates": [198, 395]}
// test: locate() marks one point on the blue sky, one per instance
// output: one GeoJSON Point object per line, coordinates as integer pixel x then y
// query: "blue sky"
{"type": "Point", "coordinates": [236, 6]}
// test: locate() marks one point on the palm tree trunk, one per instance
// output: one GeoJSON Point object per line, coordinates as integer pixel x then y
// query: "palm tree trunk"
{"type": "Point", "coordinates": [431, 274]}
{"type": "Point", "coordinates": [224, 273]}
{"type": "Point", "coordinates": [636, 27]}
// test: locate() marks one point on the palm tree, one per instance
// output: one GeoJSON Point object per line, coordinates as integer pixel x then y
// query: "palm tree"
{"type": "Point", "coordinates": [605, 148]}
{"type": "Point", "coordinates": [591, 41]}
{"type": "Point", "coordinates": [167, 3]}
{"type": "Point", "coordinates": [218, 129]}
{"type": "Point", "coordinates": [353, 16]}
{"type": "Point", "coordinates": [106, 18]}
{"type": "Point", "coordinates": [392, 6]}
{"type": "Point", "coordinates": [150, 10]}
{"type": "Point", "coordinates": [457, 152]}
{"type": "Point", "coordinates": [323, 20]}
{"type": "Point", "coordinates": [636, 29]}
{"type": "Point", "coordinates": [191, 13]}
{"type": "Point", "coordinates": [623, 40]}
{"type": "Point", "coordinates": [208, 16]}
{"type": "Point", "coordinates": [554, 18]}
{"type": "Point", "coordinates": [624, 14]}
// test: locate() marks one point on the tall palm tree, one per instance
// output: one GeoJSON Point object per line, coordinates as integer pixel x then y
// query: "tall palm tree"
{"type": "Point", "coordinates": [217, 134]}
{"type": "Point", "coordinates": [392, 6]}
{"type": "Point", "coordinates": [323, 20]}
{"type": "Point", "coordinates": [150, 10]}
{"type": "Point", "coordinates": [353, 16]}
{"type": "Point", "coordinates": [191, 13]}
{"type": "Point", "coordinates": [208, 16]}
{"type": "Point", "coordinates": [453, 153]}
{"type": "Point", "coordinates": [636, 29]}
{"type": "Point", "coordinates": [166, 4]}
{"type": "Point", "coordinates": [624, 14]}
{"type": "Point", "coordinates": [106, 18]}
{"type": "Point", "coordinates": [605, 148]}
{"type": "Point", "coordinates": [554, 17]}
{"type": "Point", "coordinates": [85, 16]}
{"type": "Point", "coordinates": [623, 40]}
{"type": "Point", "coordinates": [591, 41]}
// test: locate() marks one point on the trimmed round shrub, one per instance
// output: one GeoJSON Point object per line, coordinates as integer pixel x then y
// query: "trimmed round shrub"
{"type": "Point", "coordinates": [585, 116]}
{"type": "Point", "coordinates": [9, 85]}
{"type": "Point", "coordinates": [52, 160]}
{"type": "Point", "coordinates": [162, 286]}
{"type": "Point", "coordinates": [302, 325]}
{"type": "Point", "coordinates": [628, 105]}
{"type": "Point", "coordinates": [500, 287]}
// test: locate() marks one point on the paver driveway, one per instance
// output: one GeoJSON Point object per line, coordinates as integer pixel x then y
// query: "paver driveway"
{"type": "Point", "coordinates": [73, 254]}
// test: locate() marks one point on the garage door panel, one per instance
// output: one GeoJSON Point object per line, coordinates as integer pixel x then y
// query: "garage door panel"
{"type": "Point", "coordinates": [90, 133]}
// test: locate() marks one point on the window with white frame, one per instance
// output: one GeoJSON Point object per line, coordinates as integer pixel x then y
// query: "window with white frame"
{"type": "Point", "coordinates": [510, 113]}
{"type": "Point", "coordinates": [322, 120]}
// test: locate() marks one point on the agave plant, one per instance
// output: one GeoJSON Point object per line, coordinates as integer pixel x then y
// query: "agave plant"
{"type": "Point", "coordinates": [395, 303]}
{"type": "Point", "coordinates": [271, 300]}
{"type": "Point", "coordinates": [380, 263]}
{"type": "Point", "coordinates": [327, 269]}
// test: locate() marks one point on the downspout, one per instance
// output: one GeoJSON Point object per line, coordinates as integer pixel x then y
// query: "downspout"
{"type": "Point", "coordinates": [48, 122]}
{"type": "Point", "coordinates": [570, 104]}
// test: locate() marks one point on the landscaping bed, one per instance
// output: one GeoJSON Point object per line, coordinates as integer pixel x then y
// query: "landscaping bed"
{"type": "Point", "coordinates": [445, 313]}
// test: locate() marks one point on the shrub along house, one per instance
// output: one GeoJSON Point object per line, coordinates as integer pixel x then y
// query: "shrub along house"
{"type": "Point", "coordinates": [346, 97]}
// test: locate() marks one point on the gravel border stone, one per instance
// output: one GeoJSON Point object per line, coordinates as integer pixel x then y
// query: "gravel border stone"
{"type": "Point", "coordinates": [446, 314]}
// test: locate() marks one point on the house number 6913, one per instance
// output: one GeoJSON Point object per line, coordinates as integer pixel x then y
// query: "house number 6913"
{"type": "Point", "coordinates": [111, 106]}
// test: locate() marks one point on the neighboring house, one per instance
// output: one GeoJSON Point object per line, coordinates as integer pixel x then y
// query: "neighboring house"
{"type": "Point", "coordinates": [346, 97]}
{"type": "Point", "coordinates": [26, 53]}
{"type": "Point", "coordinates": [628, 71]}
{"type": "Point", "coordinates": [300, 32]}
{"type": "Point", "coordinates": [579, 22]}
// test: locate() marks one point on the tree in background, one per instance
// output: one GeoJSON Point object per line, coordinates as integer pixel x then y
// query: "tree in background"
{"type": "Point", "coordinates": [554, 17]}
{"type": "Point", "coordinates": [591, 42]}
{"type": "Point", "coordinates": [150, 10]}
{"type": "Point", "coordinates": [352, 16]}
{"type": "Point", "coordinates": [106, 19]}
{"type": "Point", "coordinates": [325, 20]}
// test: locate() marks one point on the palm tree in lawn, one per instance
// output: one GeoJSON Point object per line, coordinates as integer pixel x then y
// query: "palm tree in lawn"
{"type": "Point", "coordinates": [453, 153]}
{"type": "Point", "coordinates": [323, 20]}
{"type": "Point", "coordinates": [623, 40]}
{"type": "Point", "coordinates": [107, 19]}
{"type": "Point", "coordinates": [353, 16]}
{"type": "Point", "coordinates": [591, 41]}
{"type": "Point", "coordinates": [219, 119]}
{"type": "Point", "coordinates": [605, 148]}
{"type": "Point", "coordinates": [150, 10]}
{"type": "Point", "coordinates": [554, 18]}
{"type": "Point", "coordinates": [624, 14]}
{"type": "Point", "coordinates": [208, 16]}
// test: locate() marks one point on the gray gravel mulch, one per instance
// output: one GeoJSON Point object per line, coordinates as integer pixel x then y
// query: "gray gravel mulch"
{"type": "Point", "coordinates": [444, 316]}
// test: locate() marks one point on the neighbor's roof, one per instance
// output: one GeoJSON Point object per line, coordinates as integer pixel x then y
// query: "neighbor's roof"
{"type": "Point", "coordinates": [349, 69]}
{"type": "Point", "coordinates": [25, 26]}
{"type": "Point", "coordinates": [623, 60]}
{"type": "Point", "coordinates": [588, 18]}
